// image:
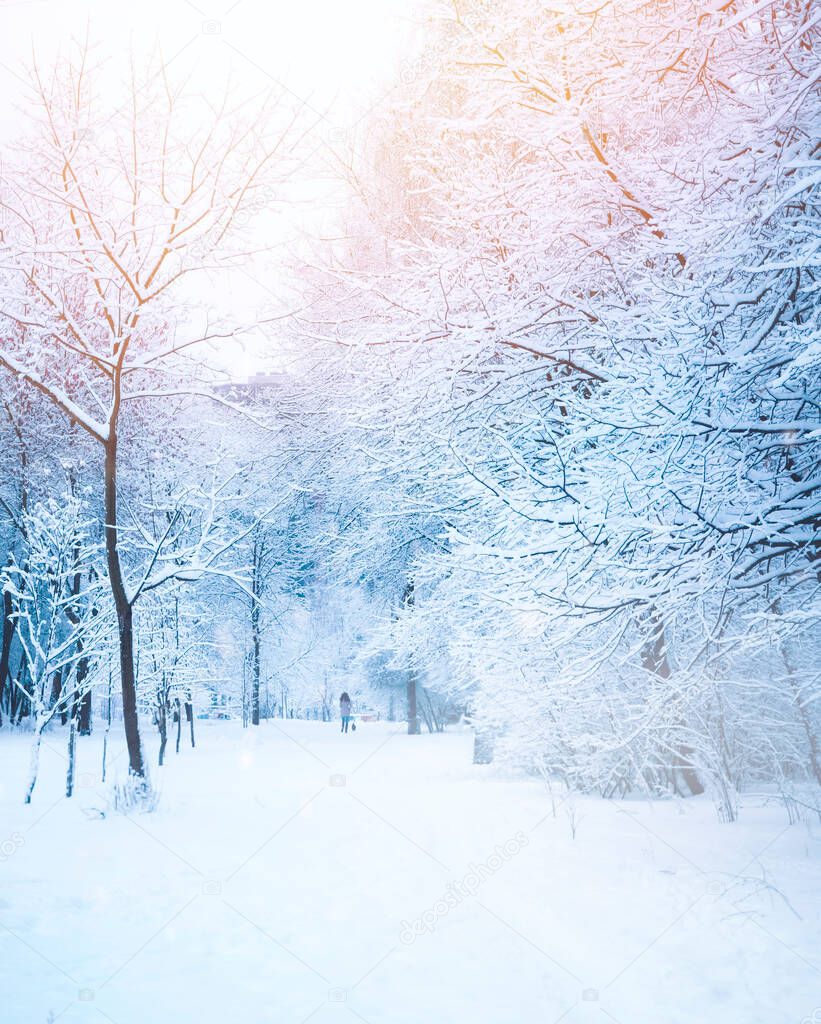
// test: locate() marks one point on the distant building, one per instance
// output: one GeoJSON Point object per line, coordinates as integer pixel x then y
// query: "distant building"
{"type": "Point", "coordinates": [253, 386]}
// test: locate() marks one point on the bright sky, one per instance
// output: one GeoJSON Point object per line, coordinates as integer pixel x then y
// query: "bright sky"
{"type": "Point", "coordinates": [329, 52]}
{"type": "Point", "coordinates": [341, 57]}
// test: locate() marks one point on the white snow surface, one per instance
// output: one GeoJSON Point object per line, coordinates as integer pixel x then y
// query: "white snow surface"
{"type": "Point", "coordinates": [281, 875]}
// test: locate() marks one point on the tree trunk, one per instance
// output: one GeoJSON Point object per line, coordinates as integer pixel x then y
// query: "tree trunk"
{"type": "Point", "coordinates": [5, 649]}
{"type": "Point", "coordinates": [6, 684]}
{"type": "Point", "coordinates": [72, 752]}
{"type": "Point", "coordinates": [84, 714]}
{"type": "Point", "coordinates": [413, 717]}
{"type": "Point", "coordinates": [162, 726]}
{"type": "Point", "coordinates": [654, 658]}
{"type": "Point", "coordinates": [434, 719]}
{"type": "Point", "coordinates": [189, 714]}
{"type": "Point", "coordinates": [81, 704]}
{"type": "Point", "coordinates": [801, 708]}
{"type": "Point", "coordinates": [409, 600]}
{"type": "Point", "coordinates": [107, 725]}
{"type": "Point", "coordinates": [21, 695]}
{"type": "Point", "coordinates": [256, 590]}
{"type": "Point", "coordinates": [125, 612]}
{"type": "Point", "coordinates": [81, 699]}
{"type": "Point", "coordinates": [255, 639]}
{"type": "Point", "coordinates": [57, 692]}
{"type": "Point", "coordinates": [34, 762]}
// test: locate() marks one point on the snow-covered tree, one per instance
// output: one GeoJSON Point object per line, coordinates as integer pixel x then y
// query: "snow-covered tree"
{"type": "Point", "coordinates": [110, 209]}
{"type": "Point", "coordinates": [591, 267]}
{"type": "Point", "coordinates": [61, 616]}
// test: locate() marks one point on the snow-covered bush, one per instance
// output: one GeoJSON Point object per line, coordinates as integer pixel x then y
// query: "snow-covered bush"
{"type": "Point", "coordinates": [599, 294]}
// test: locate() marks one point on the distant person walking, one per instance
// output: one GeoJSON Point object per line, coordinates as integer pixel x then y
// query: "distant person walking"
{"type": "Point", "coordinates": [345, 711]}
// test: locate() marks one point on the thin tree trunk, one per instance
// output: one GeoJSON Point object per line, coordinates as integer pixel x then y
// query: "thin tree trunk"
{"type": "Point", "coordinates": [409, 601]}
{"type": "Point", "coordinates": [256, 640]}
{"type": "Point", "coordinates": [107, 725]}
{"type": "Point", "coordinates": [798, 699]}
{"type": "Point", "coordinates": [21, 695]}
{"type": "Point", "coordinates": [162, 725]}
{"type": "Point", "coordinates": [256, 643]}
{"type": "Point", "coordinates": [125, 612]}
{"type": "Point", "coordinates": [81, 699]}
{"type": "Point", "coordinates": [189, 714]}
{"type": "Point", "coordinates": [433, 719]}
{"type": "Point", "coordinates": [6, 684]}
{"type": "Point", "coordinates": [245, 705]}
{"type": "Point", "coordinates": [654, 658]}
{"type": "Point", "coordinates": [56, 693]}
{"type": "Point", "coordinates": [81, 705]}
{"type": "Point", "coordinates": [34, 762]}
{"type": "Point", "coordinates": [413, 717]}
{"type": "Point", "coordinates": [5, 649]}
{"type": "Point", "coordinates": [72, 753]}
{"type": "Point", "coordinates": [84, 714]}
{"type": "Point", "coordinates": [74, 720]}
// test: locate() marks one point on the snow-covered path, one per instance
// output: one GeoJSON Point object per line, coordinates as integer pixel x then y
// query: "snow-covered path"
{"type": "Point", "coordinates": [292, 874]}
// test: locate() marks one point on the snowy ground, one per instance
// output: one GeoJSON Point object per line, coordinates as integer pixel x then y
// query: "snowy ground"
{"type": "Point", "coordinates": [292, 874]}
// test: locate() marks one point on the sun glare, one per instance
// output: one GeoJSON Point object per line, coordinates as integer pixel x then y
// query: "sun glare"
{"type": "Point", "coordinates": [335, 57]}
{"type": "Point", "coordinates": [335, 62]}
